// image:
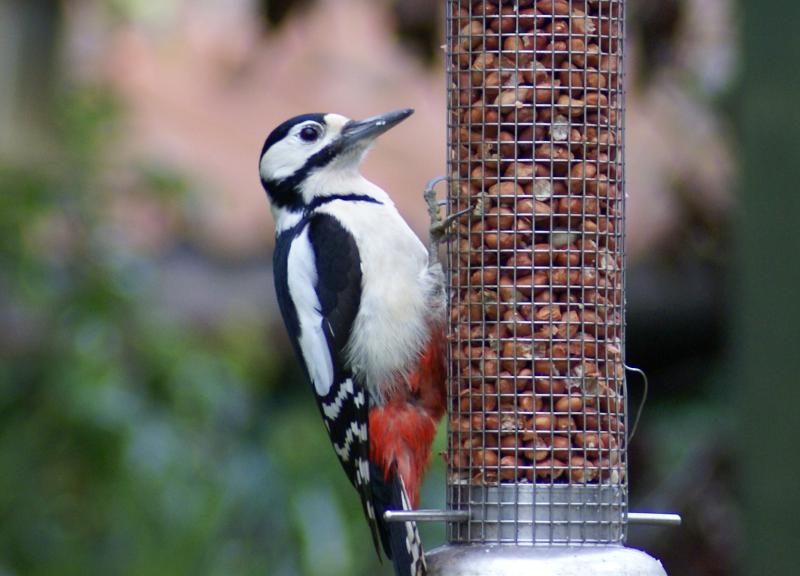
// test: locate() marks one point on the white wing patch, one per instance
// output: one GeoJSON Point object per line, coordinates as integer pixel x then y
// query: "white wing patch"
{"type": "Point", "coordinates": [331, 410]}
{"type": "Point", "coordinates": [301, 278]}
{"type": "Point", "coordinates": [362, 477]}
{"type": "Point", "coordinates": [354, 431]}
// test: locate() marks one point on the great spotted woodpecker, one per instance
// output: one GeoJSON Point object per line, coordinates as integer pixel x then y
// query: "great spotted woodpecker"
{"type": "Point", "coordinates": [364, 309]}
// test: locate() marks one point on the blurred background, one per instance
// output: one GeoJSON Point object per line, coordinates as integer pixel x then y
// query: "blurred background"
{"type": "Point", "coordinates": [152, 419]}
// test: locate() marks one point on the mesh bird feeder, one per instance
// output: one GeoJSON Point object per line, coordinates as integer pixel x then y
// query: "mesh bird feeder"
{"type": "Point", "coordinates": [537, 417]}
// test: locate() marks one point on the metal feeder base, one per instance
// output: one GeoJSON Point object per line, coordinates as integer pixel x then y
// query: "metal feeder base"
{"type": "Point", "coordinates": [505, 560]}
{"type": "Point", "coordinates": [526, 514]}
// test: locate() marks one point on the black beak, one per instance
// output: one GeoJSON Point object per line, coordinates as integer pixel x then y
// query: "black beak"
{"type": "Point", "coordinates": [359, 131]}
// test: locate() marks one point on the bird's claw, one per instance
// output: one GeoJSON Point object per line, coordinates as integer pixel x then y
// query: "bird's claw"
{"type": "Point", "coordinates": [439, 228]}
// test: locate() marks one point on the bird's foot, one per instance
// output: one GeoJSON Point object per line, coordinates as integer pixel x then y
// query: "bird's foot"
{"type": "Point", "coordinates": [440, 228]}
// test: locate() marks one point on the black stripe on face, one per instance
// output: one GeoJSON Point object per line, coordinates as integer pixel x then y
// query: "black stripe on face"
{"type": "Point", "coordinates": [284, 193]}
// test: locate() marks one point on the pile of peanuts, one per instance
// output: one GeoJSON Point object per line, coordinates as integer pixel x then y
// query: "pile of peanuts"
{"type": "Point", "coordinates": [535, 141]}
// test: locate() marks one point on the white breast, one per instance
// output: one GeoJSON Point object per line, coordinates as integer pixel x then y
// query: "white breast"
{"type": "Point", "coordinates": [391, 327]}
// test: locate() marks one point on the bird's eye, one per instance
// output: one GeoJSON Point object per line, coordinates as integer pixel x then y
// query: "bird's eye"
{"type": "Point", "coordinates": [310, 133]}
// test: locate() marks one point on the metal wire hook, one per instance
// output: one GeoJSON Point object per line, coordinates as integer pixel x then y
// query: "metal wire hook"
{"type": "Point", "coordinates": [641, 403]}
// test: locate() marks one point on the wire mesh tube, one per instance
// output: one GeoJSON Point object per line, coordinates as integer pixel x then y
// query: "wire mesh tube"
{"type": "Point", "coordinates": [536, 436]}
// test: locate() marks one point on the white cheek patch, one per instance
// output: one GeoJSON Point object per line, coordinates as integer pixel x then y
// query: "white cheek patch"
{"type": "Point", "coordinates": [286, 157]}
{"type": "Point", "coordinates": [289, 155]}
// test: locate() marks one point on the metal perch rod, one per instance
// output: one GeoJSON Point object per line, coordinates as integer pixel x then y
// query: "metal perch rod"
{"type": "Point", "coordinates": [651, 518]}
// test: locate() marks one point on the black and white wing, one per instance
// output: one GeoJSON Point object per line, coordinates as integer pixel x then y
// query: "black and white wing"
{"type": "Point", "coordinates": [318, 281]}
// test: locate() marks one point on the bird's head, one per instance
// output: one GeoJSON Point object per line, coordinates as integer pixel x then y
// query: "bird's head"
{"type": "Point", "coordinates": [313, 154]}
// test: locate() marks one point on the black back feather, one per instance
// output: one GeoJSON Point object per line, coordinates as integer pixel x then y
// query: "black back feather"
{"type": "Point", "coordinates": [345, 406]}
{"type": "Point", "coordinates": [338, 290]}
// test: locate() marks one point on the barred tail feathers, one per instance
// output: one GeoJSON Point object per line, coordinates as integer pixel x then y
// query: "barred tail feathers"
{"type": "Point", "coordinates": [408, 554]}
{"type": "Point", "coordinates": [401, 541]}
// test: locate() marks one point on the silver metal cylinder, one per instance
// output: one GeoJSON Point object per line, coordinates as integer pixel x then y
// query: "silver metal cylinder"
{"type": "Point", "coordinates": [503, 560]}
{"type": "Point", "coordinates": [526, 514]}
{"type": "Point", "coordinates": [537, 436]}
{"type": "Point", "coordinates": [537, 428]}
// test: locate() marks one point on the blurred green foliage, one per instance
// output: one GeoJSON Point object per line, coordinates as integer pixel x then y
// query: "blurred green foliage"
{"type": "Point", "coordinates": [131, 440]}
